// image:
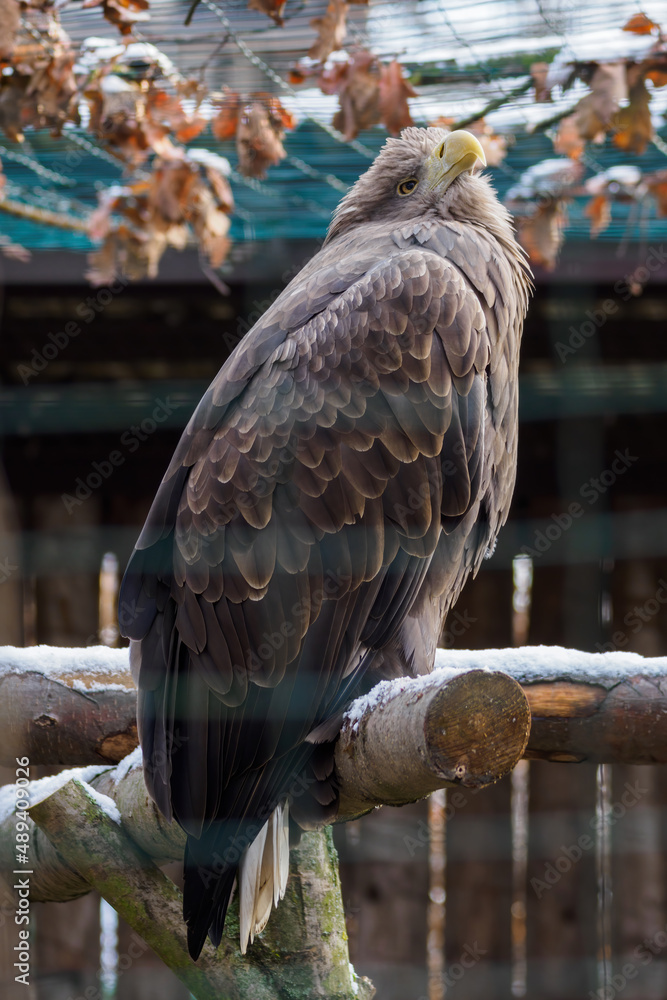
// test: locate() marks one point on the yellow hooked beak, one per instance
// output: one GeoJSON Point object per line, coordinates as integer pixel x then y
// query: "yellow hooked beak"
{"type": "Point", "coordinates": [459, 151]}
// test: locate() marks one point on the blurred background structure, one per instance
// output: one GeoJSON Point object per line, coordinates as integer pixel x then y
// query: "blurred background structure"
{"type": "Point", "coordinates": [127, 278]}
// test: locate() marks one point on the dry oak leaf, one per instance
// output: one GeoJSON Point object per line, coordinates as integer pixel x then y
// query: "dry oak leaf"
{"type": "Point", "coordinates": [331, 30]}
{"type": "Point", "coordinates": [10, 19]}
{"type": "Point", "coordinates": [124, 14]}
{"type": "Point", "coordinates": [539, 72]}
{"type": "Point", "coordinates": [568, 141]}
{"type": "Point", "coordinates": [594, 113]}
{"type": "Point", "coordinates": [164, 108]}
{"type": "Point", "coordinates": [357, 83]}
{"type": "Point", "coordinates": [541, 233]}
{"type": "Point", "coordinates": [280, 117]}
{"type": "Point", "coordinates": [633, 128]}
{"type": "Point", "coordinates": [226, 122]}
{"type": "Point", "coordinates": [258, 141]}
{"type": "Point", "coordinates": [394, 91]}
{"type": "Point", "coordinates": [640, 24]}
{"type": "Point", "coordinates": [274, 8]}
{"type": "Point", "coordinates": [598, 211]}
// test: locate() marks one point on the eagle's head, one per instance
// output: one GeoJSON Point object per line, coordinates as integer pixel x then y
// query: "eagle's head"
{"type": "Point", "coordinates": [426, 172]}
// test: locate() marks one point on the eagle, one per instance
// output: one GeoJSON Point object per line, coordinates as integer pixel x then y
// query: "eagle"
{"type": "Point", "coordinates": [347, 469]}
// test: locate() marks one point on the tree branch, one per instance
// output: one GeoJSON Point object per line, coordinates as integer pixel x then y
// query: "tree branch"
{"type": "Point", "coordinates": [313, 938]}
{"type": "Point", "coordinates": [602, 707]}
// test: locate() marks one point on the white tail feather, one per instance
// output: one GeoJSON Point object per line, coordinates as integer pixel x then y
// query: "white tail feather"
{"type": "Point", "coordinates": [263, 875]}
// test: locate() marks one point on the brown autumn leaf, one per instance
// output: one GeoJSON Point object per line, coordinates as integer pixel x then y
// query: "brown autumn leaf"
{"type": "Point", "coordinates": [258, 141]}
{"type": "Point", "coordinates": [274, 8]}
{"type": "Point", "coordinates": [640, 24]}
{"type": "Point", "coordinates": [139, 222]}
{"type": "Point", "coordinates": [41, 94]}
{"type": "Point", "coordinates": [357, 83]}
{"type": "Point", "coordinates": [598, 211]}
{"type": "Point", "coordinates": [226, 122]}
{"type": "Point", "coordinates": [568, 141]}
{"type": "Point", "coordinates": [280, 117]}
{"type": "Point", "coordinates": [331, 30]}
{"type": "Point", "coordinates": [124, 14]}
{"type": "Point", "coordinates": [394, 91]}
{"type": "Point", "coordinates": [296, 75]}
{"type": "Point", "coordinates": [494, 145]}
{"type": "Point", "coordinates": [633, 128]}
{"type": "Point", "coordinates": [541, 233]}
{"type": "Point", "coordinates": [10, 19]}
{"type": "Point", "coordinates": [166, 109]}
{"type": "Point", "coordinates": [539, 72]}
{"type": "Point", "coordinates": [220, 188]}
{"type": "Point", "coordinates": [210, 225]}
{"type": "Point", "coordinates": [594, 113]}
{"type": "Point", "coordinates": [171, 187]}
{"type": "Point", "coordinates": [12, 91]}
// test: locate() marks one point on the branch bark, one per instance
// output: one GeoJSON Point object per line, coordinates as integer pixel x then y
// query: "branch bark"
{"type": "Point", "coordinates": [398, 744]}
{"type": "Point", "coordinates": [66, 706]}
{"type": "Point", "coordinates": [605, 708]}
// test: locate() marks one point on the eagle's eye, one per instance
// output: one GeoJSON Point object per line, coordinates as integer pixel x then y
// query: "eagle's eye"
{"type": "Point", "coordinates": [407, 186]}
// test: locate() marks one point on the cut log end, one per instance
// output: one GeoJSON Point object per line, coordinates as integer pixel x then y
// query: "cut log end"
{"type": "Point", "coordinates": [477, 728]}
{"type": "Point", "coordinates": [448, 729]}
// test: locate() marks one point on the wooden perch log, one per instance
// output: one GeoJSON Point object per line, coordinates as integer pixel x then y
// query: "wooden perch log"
{"type": "Point", "coordinates": [66, 706]}
{"type": "Point", "coordinates": [398, 744]}
{"type": "Point", "coordinates": [606, 708]}
{"type": "Point", "coordinates": [59, 705]}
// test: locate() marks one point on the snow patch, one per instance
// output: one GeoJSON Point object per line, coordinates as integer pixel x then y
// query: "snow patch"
{"type": "Point", "coordinates": [43, 787]}
{"type": "Point", "coordinates": [86, 669]}
{"type": "Point", "coordinates": [133, 759]}
{"type": "Point", "coordinates": [386, 691]}
{"type": "Point", "coordinates": [527, 665]}
{"type": "Point", "coordinates": [530, 664]}
{"type": "Point", "coordinates": [106, 804]}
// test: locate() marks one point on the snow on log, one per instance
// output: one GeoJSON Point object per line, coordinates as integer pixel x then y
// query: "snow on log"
{"type": "Point", "coordinates": [66, 706]}
{"type": "Point", "coordinates": [76, 706]}
{"type": "Point", "coordinates": [606, 708]}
